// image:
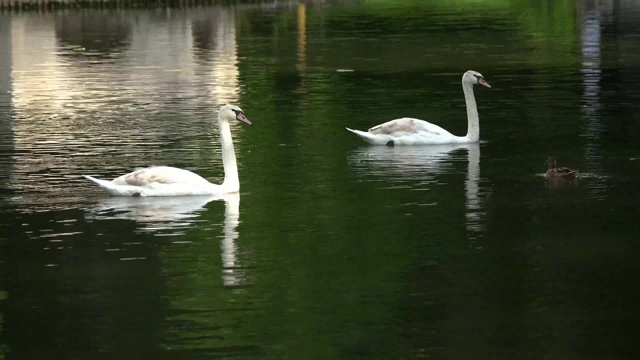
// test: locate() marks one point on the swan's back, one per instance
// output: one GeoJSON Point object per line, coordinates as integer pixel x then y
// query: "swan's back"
{"type": "Point", "coordinates": [407, 126]}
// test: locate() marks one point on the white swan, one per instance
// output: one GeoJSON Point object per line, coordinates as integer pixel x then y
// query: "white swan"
{"type": "Point", "coordinates": [170, 181]}
{"type": "Point", "coordinates": [409, 131]}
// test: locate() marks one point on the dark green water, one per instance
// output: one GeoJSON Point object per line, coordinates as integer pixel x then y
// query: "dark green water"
{"type": "Point", "coordinates": [333, 249]}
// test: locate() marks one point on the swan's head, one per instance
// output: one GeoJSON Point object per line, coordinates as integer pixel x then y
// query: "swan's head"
{"type": "Point", "coordinates": [230, 113]}
{"type": "Point", "coordinates": [473, 78]}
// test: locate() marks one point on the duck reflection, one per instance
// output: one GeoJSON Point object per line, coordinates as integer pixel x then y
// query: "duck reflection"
{"type": "Point", "coordinates": [562, 183]}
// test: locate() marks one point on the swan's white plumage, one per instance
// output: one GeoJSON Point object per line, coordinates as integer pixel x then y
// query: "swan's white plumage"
{"type": "Point", "coordinates": [407, 131]}
{"type": "Point", "coordinates": [171, 181]}
{"type": "Point", "coordinates": [159, 181]}
{"type": "Point", "coordinates": [410, 131]}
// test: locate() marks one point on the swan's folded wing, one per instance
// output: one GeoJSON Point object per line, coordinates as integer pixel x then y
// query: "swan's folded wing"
{"type": "Point", "coordinates": [160, 175]}
{"type": "Point", "coordinates": [406, 126]}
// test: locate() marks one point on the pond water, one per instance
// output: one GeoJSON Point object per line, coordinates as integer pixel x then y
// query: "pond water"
{"type": "Point", "coordinates": [333, 249]}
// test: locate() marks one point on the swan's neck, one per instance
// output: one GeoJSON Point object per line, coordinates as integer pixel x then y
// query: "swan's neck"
{"type": "Point", "coordinates": [231, 181]}
{"type": "Point", "coordinates": [473, 127]}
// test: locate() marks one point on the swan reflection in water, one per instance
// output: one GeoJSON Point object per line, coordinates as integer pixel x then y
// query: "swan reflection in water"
{"type": "Point", "coordinates": [416, 166]}
{"type": "Point", "coordinates": [154, 214]}
{"type": "Point", "coordinates": [232, 272]}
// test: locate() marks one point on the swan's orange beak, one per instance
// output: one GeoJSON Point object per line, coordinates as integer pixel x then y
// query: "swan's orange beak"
{"type": "Point", "coordinates": [483, 82]}
{"type": "Point", "coordinates": [240, 116]}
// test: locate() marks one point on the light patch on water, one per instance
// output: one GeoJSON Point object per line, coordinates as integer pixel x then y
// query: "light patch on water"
{"type": "Point", "coordinates": [133, 258]}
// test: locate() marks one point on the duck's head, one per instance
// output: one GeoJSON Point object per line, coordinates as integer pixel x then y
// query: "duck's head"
{"type": "Point", "coordinates": [230, 113]}
{"type": "Point", "coordinates": [551, 162]}
{"type": "Point", "coordinates": [473, 78]}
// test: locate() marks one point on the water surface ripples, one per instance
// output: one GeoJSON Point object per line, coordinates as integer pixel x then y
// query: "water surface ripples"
{"type": "Point", "coordinates": [338, 249]}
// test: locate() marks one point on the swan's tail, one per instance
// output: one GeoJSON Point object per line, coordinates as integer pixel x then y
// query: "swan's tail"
{"type": "Point", "coordinates": [367, 136]}
{"type": "Point", "coordinates": [112, 189]}
{"type": "Point", "coordinates": [102, 183]}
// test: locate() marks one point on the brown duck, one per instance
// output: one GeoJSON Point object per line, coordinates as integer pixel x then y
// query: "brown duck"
{"type": "Point", "coordinates": [555, 172]}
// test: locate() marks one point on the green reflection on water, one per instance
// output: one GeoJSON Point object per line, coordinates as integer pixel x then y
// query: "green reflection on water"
{"type": "Point", "coordinates": [336, 256]}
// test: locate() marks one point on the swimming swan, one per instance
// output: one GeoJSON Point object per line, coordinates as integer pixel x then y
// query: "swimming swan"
{"type": "Point", "coordinates": [409, 131]}
{"type": "Point", "coordinates": [170, 181]}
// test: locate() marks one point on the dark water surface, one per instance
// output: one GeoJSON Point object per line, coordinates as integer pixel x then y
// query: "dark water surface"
{"type": "Point", "coordinates": [333, 249]}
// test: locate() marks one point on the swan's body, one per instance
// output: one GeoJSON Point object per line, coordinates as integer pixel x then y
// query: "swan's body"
{"type": "Point", "coordinates": [410, 131]}
{"type": "Point", "coordinates": [171, 181]}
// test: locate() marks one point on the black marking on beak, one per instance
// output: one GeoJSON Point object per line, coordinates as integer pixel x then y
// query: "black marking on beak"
{"type": "Point", "coordinates": [240, 117]}
{"type": "Point", "coordinates": [480, 79]}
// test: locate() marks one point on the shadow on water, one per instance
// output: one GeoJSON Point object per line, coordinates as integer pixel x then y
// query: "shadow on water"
{"type": "Point", "coordinates": [83, 36]}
